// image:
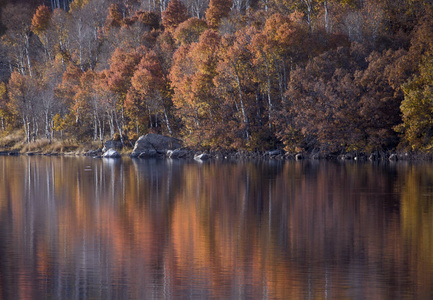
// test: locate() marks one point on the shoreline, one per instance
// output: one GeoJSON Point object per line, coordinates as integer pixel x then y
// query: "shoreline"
{"type": "Point", "coordinates": [279, 155]}
{"type": "Point", "coordinates": [164, 147]}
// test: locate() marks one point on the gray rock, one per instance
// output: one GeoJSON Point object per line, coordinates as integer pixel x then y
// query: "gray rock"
{"type": "Point", "coordinates": [373, 156]}
{"type": "Point", "coordinates": [148, 154]}
{"type": "Point", "coordinates": [299, 156]}
{"type": "Point", "coordinates": [93, 153]}
{"type": "Point", "coordinates": [393, 157]}
{"type": "Point", "coordinates": [202, 157]}
{"type": "Point", "coordinates": [155, 142]}
{"type": "Point", "coordinates": [315, 156]}
{"type": "Point", "coordinates": [347, 156]}
{"type": "Point", "coordinates": [360, 157]}
{"type": "Point", "coordinates": [52, 154]}
{"type": "Point", "coordinates": [111, 153]}
{"type": "Point", "coordinates": [219, 156]}
{"type": "Point", "coordinates": [111, 144]}
{"type": "Point", "coordinates": [274, 152]}
{"type": "Point", "coordinates": [177, 153]}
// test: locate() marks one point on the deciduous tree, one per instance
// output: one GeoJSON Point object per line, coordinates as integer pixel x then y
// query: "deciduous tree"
{"type": "Point", "coordinates": [118, 81]}
{"type": "Point", "coordinates": [48, 104]}
{"type": "Point", "coordinates": [189, 31]}
{"type": "Point", "coordinates": [417, 108]}
{"type": "Point", "coordinates": [4, 112]}
{"type": "Point", "coordinates": [40, 23]}
{"type": "Point", "coordinates": [41, 19]}
{"type": "Point", "coordinates": [175, 14]}
{"type": "Point", "coordinates": [17, 19]}
{"type": "Point", "coordinates": [324, 105]}
{"type": "Point", "coordinates": [381, 97]}
{"type": "Point", "coordinates": [192, 74]}
{"type": "Point", "coordinates": [22, 92]}
{"type": "Point", "coordinates": [234, 82]}
{"type": "Point", "coordinates": [149, 93]}
{"type": "Point", "coordinates": [68, 88]}
{"type": "Point", "coordinates": [217, 10]}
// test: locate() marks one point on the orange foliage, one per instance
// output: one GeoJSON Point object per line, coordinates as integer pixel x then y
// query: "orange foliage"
{"type": "Point", "coordinates": [217, 10]}
{"type": "Point", "coordinates": [189, 31]}
{"type": "Point", "coordinates": [175, 14]}
{"type": "Point", "coordinates": [41, 19]}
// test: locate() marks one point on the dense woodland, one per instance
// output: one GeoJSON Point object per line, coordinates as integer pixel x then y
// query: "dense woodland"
{"type": "Point", "coordinates": [314, 75]}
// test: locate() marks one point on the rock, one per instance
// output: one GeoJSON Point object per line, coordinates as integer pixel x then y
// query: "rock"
{"type": "Point", "coordinates": [299, 156]}
{"type": "Point", "coordinates": [393, 157]}
{"type": "Point", "coordinates": [111, 153]}
{"type": "Point", "coordinates": [219, 156]}
{"type": "Point", "coordinates": [315, 156]}
{"type": "Point", "coordinates": [274, 152]}
{"type": "Point", "coordinates": [360, 157]}
{"type": "Point", "coordinates": [93, 153]}
{"type": "Point", "coordinates": [155, 142]}
{"type": "Point", "coordinates": [202, 157]}
{"type": "Point", "coordinates": [148, 154]}
{"type": "Point", "coordinates": [347, 156]}
{"type": "Point", "coordinates": [51, 154]}
{"type": "Point", "coordinates": [288, 156]}
{"type": "Point", "coordinates": [177, 153]}
{"type": "Point", "coordinates": [112, 144]}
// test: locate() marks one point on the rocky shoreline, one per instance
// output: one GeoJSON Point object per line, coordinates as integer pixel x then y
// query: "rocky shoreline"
{"type": "Point", "coordinates": [162, 147]}
{"type": "Point", "coordinates": [190, 154]}
{"type": "Point", "coordinates": [158, 146]}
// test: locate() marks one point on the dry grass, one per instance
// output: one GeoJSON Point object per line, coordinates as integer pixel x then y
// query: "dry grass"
{"type": "Point", "coordinates": [10, 140]}
{"type": "Point", "coordinates": [62, 146]}
{"type": "Point", "coordinates": [37, 146]}
{"type": "Point", "coordinates": [16, 141]}
{"type": "Point", "coordinates": [58, 146]}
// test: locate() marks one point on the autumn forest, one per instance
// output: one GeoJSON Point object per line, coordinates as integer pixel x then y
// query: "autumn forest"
{"type": "Point", "coordinates": [304, 75]}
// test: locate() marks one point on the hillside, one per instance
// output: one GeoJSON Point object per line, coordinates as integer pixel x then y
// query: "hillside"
{"type": "Point", "coordinates": [324, 75]}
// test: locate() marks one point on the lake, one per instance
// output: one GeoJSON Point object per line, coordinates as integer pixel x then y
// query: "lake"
{"type": "Point", "coordinates": [83, 228]}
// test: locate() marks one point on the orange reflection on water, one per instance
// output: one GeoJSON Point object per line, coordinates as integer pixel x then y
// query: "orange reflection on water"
{"type": "Point", "coordinates": [85, 228]}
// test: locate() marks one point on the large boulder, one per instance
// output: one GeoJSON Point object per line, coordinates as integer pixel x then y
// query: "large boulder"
{"type": "Point", "coordinates": [156, 142]}
{"type": "Point", "coordinates": [111, 153]}
{"type": "Point", "coordinates": [148, 154]}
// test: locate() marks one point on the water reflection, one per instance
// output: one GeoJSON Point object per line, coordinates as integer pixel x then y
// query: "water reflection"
{"type": "Point", "coordinates": [77, 228]}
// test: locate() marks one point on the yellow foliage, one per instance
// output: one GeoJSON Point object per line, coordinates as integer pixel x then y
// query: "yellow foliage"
{"type": "Point", "coordinates": [78, 4]}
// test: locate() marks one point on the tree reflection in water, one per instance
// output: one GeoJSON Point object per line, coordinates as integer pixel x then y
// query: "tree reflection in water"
{"type": "Point", "coordinates": [135, 229]}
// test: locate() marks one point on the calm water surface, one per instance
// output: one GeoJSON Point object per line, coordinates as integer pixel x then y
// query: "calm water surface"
{"type": "Point", "coordinates": [81, 228]}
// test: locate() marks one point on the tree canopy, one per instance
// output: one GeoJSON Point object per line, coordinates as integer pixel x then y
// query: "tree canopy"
{"type": "Point", "coordinates": [310, 75]}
